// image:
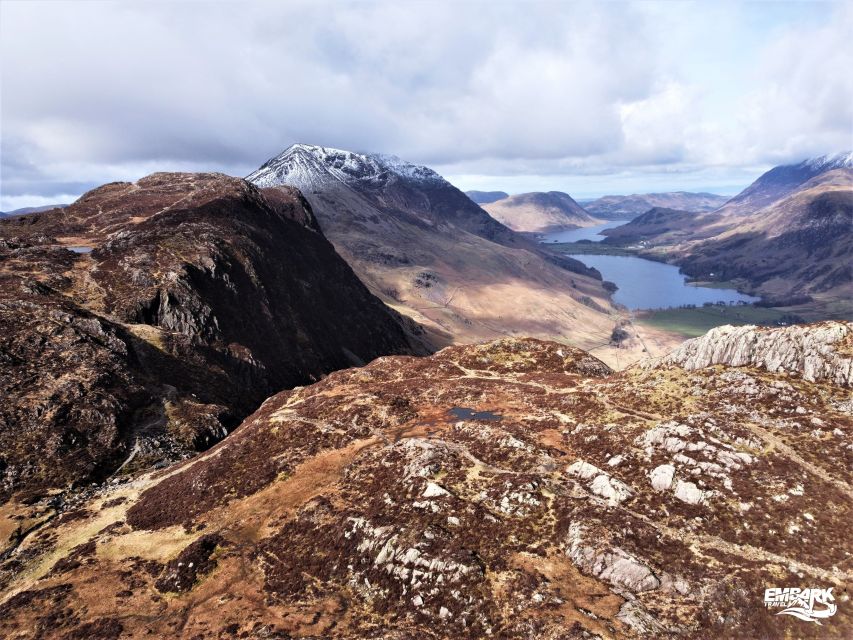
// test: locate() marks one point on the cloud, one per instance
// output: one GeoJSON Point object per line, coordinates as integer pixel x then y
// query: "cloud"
{"type": "Point", "coordinates": [802, 101]}
{"type": "Point", "coordinates": [103, 91]}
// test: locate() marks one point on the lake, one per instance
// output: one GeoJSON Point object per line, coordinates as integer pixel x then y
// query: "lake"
{"type": "Point", "coordinates": [645, 284]}
{"type": "Point", "coordinates": [584, 233]}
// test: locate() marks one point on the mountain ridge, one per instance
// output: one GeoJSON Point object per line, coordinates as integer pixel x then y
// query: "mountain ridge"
{"type": "Point", "coordinates": [540, 212]}
{"type": "Point", "coordinates": [146, 320]}
{"type": "Point", "coordinates": [431, 253]}
{"type": "Point", "coordinates": [783, 180]}
{"type": "Point", "coordinates": [653, 223]}
{"type": "Point", "coordinates": [484, 197]}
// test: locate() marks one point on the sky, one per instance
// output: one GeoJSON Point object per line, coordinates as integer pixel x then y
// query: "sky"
{"type": "Point", "coordinates": [590, 98]}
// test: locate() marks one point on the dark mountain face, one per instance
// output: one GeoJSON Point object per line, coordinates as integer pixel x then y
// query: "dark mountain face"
{"type": "Point", "coordinates": [485, 197]}
{"type": "Point", "coordinates": [426, 248]}
{"type": "Point", "coordinates": [782, 181]}
{"type": "Point", "coordinates": [147, 319]}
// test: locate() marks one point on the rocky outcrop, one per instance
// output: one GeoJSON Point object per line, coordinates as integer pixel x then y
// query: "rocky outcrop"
{"type": "Point", "coordinates": [146, 320]}
{"type": "Point", "coordinates": [513, 489]}
{"type": "Point", "coordinates": [815, 352]}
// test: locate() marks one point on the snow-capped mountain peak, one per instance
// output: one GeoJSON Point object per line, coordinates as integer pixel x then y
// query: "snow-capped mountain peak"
{"type": "Point", "coordinates": [304, 166]}
{"type": "Point", "coordinates": [843, 160]}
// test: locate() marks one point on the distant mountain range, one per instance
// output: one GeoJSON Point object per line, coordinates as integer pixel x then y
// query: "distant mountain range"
{"type": "Point", "coordinates": [25, 210]}
{"type": "Point", "coordinates": [484, 197]}
{"type": "Point", "coordinates": [629, 207]}
{"type": "Point", "coordinates": [429, 251]}
{"type": "Point", "coordinates": [539, 212]}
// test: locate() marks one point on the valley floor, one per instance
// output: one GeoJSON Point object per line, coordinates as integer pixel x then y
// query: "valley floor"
{"type": "Point", "coordinates": [682, 323]}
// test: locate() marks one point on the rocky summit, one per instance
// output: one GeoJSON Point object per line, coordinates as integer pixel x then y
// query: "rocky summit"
{"type": "Point", "coordinates": [513, 489]}
{"type": "Point", "coordinates": [146, 320]}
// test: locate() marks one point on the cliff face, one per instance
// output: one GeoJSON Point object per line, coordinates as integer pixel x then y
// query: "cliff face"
{"type": "Point", "coordinates": [514, 489]}
{"type": "Point", "coordinates": [146, 320]}
{"type": "Point", "coordinates": [815, 352]}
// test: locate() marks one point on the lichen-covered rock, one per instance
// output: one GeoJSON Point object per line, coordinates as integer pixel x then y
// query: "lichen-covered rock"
{"type": "Point", "coordinates": [661, 477]}
{"type": "Point", "coordinates": [815, 352]}
{"type": "Point", "coordinates": [688, 492]}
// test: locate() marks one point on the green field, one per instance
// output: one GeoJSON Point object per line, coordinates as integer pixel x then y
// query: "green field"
{"type": "Point", "coordinates": [587, 249]}
{"type": "Point", "coordinates": [725, 284]}
{"type": "Point", "coordinates": [696, 322]}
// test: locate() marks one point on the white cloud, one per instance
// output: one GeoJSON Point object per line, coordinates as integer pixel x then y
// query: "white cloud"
{"type": "Point", "coordinates": [101, 91]}
{"type": "Point", "coordinates": [802, 101]}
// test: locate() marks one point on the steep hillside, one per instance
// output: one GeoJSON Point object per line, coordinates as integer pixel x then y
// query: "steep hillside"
{"type": "Point", "coordinates": [390, 185]}
{"type": "Point", "coordinates": [629, 207]}
{"type": "Point", "coordinates": [654, 223]}
{"type": "Point", "coordinates": [782, 181]}
{"type": "Point", "coordinates": [484, 197]}
{"type": "Point", "coordinates": [146, 320]}
{"type": "Point", "coordinates": [799, 245]}
{"type": "Point", "coordinates": [540, 212]}
{"type": "Point", "coordinates": [515, 489]}
{"type": "Point", "coordinates": [429, 251]}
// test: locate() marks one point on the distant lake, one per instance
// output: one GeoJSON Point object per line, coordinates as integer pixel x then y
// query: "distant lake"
{"type": "Point", "coordinates": [584, 233]}
{"type": "Point", "coordinates": [645, 284]}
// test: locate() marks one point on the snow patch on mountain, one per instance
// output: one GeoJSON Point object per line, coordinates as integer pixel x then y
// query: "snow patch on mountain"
{"type": "Point", "coordinates": [307, 166]}
{"type": "Point", "coordinates": [843, 160]}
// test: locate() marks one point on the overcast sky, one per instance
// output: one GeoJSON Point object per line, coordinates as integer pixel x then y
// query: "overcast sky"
{"type": "Point", "coordinates": [589, 98]}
